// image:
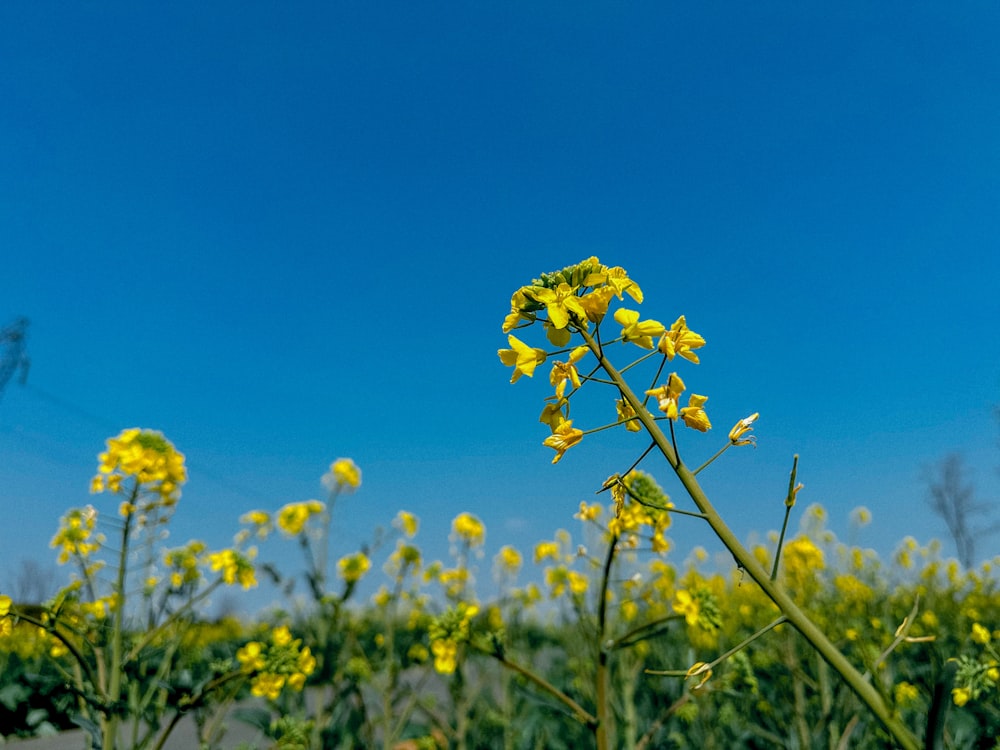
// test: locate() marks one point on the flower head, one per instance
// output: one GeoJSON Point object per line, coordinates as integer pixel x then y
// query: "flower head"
{"type": "Point", "coordinates": [521, 357]}
{"type": "Point", "coordinates": [694, 415]}
{"type": "Point", "coordinates": [149, 458]}
{"type": "Point", "coordinates": [638, 332]}
{"type": "Point", "coordinates": [292, 518]}
{"type": "Point", "coordinates": [468, 529]}
{"type": "Point", "coordinates": [680, 340]}
{"type": "Point", "coordinates": [344, 476]}
{"type": "Point", "coordinates": [353, 567]}
{"type": "Point", "coordinates": [741, 428]}
{"type": "Point", "coordinates": [563, 372]}
{"type": "Point", "coordinates": [666, 395]}
{"type": "Point", "coordinates": [564, 437]}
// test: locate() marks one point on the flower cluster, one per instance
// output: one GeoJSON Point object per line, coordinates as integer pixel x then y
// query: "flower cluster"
{"type": "Point", "coordinates": [292, 518]}
{"type": "Point", "coordinates": [236, 566]}
{"type": "Point", "coordinates": [447, 632]}
{"type": "Point", "coordinates": [344, 476]}
{"type": "Point", "coordinates": [76, 537]}
{"type": "Point", "coordinates": [980, 675]}
{"type": "Point", "coordinates": [575, 300]}
{"type": "Point", "coordinates": [272, 667]}
{"type": "Point", "coordinates": [147, 457]}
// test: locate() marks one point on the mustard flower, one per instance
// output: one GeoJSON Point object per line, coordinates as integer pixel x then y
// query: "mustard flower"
{"type": "Point", "coordinates": [638, 332]}
{"type": "Point", "coordinates": [235, 566]}
{"type": "Point", "coordinates": [680, 340]}
{"type": "Point", "coordinates": [961, 695]}
{"type": "Point", "coordinates": [688, 606]}
{"type": "Point", "coordinates": [980, 634]}
{"type": "Point", "coordinates": [292, 517]}
{"type": "Point", "coordinates": [595, 303]}
{"type": "Point", "coordinates": [563, 372]}
{"type": "Point", "coordinates": [546, 550]}
{"type": "Point", "coordinates": [552, 414]}
{"type": "Point", "coordinates": [588, 512]}
{"type": "Point", "coordinates": [694, 415]}
{"type": "Point", "coordinates": [521, 357]}
{"type": "Point", "coordinates": [561, 303]}
{"type": "Point", "coordinates": [407, 523]}
{"type": "Point", "coordinates": [343, 476]}
{"type": "Point", "coordinates": [578, 582]}
{"type": "Point", "coordinates": [353, 567]}
{"type": "Point", "coordinates": [468, 529]}
{"type": "Point", "coordinates": [76, 537]}
{"type": "Point", "coordinates": [627, 415]}
{"type": "Point", "coordinates": [5, 604]}
{"type": "Point", "coordinates": [445, 655]}
{"type": "Point", "coordinates": [147, 456]}
{"type": "Point", "coordinates": [666, 395]}
{"type": "Point", "coordinates": [741, 428]}
{"type": "Point", "coordinates": [564, 437]}
{"type": "Point", "coordinates": [508, 560]}
{"type": "Point", "coordinates": [617, 279]}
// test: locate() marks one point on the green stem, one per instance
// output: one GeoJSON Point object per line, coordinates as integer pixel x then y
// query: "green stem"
{"type": "Point", "coordinates": [579, 712]}
{"type": "Point", "coordinates": [116, 668]}
{"type": "Point", "coordinates": [744, 558]}
{"type": "Point", "coordinates": [602, 677]}
{"type": "Point", "coordinates": [789, 504]}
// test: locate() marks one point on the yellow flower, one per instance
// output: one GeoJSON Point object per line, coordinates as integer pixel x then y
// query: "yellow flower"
{"type": "Point", "coordinates": [694, 415]}
{"type": "Point", "coordinates": [666, 395]}
{"type": "Point", "coordinates": [906, 693]}
{"type": "Point", "coordinates": [552, 414]}
{"type": "Point", "coordinates": [521, 357]}
{"type": "Point", "coordinates": [293, 516]}
{"type": "Point", "coordinates": [508, 559]}
{"type": "Point", "coordinates": [980, 634]}
{"type": "Point", "coordinates": [76, 537]}
{"type": "Point", "coordinates": [680, 340]}
{"type": "Point", "coordinates": [281, 636]}
{"type": "Point", "coordinates": [687, 605]}
{"type": "Point", "coordinates": [595, 303]}
{"type": "Point", "coordinates": [578, 582]}
{"type": "Point", "coordinates": [588, 512]}
{"type": "Point", "coordinates": [469, 529]}
{"type": "Point", "coordinates": [251, 656]}
{"type": "Point", "coordinates": [617, 279]}
{"type": "Point", "coordinates": [407, 523]}
{"type": "Point", "coordinates": [546, 550]}
{"type": "Point", "coordinates": [147, 456]}
{"type": "Point", "coordinates": [741, 428]}
{"type": "Point", "coordinates": [344, 475]}
{"type": "Point", "coordinates": [566, 371]}
{"type": "Point", "coordinates": [638, 332]}
{"type": "Point", "coordinates": [961, 695]}
{"type": "Point", "coordinates": [564, 437]}
{"type": "Point", "coordinates": [235, 567]}
{"type": "Point", "coordinates": [445, 656]}
{"type": "Point", "coordinates": [627, 415]}
{"type": "Point", "coordinates": [352, 567]}
{"type": "Point", "coordinates": [561, 303]}
{"type": "Point", "coordinates": [267, 685]}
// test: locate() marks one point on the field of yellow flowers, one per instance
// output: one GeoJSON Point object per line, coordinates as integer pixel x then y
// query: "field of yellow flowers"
{"type": "Point", "coordinates": [598, 638]}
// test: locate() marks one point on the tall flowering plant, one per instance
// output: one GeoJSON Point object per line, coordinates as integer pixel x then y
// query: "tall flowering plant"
{"type": "Point", "coordinates": [588, 318]}
{"type": "Point", "coordinates": [116, 631]}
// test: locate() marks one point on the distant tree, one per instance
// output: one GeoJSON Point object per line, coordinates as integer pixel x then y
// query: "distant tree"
{"type": "Point", "coordinates": [952, 497]}
{"type": "Point", "coordinates": [34, 583]}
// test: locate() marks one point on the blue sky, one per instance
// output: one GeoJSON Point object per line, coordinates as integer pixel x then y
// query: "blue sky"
{"type": "Point", "coordinates": [287, 233]}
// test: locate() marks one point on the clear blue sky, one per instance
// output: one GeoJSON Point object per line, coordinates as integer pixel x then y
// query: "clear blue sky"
{"type": "Point", "coordinates": [283, 233]}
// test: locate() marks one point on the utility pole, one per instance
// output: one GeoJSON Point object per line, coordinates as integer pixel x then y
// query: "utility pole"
{"type": "Point", "coordinates": [13, 353]}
